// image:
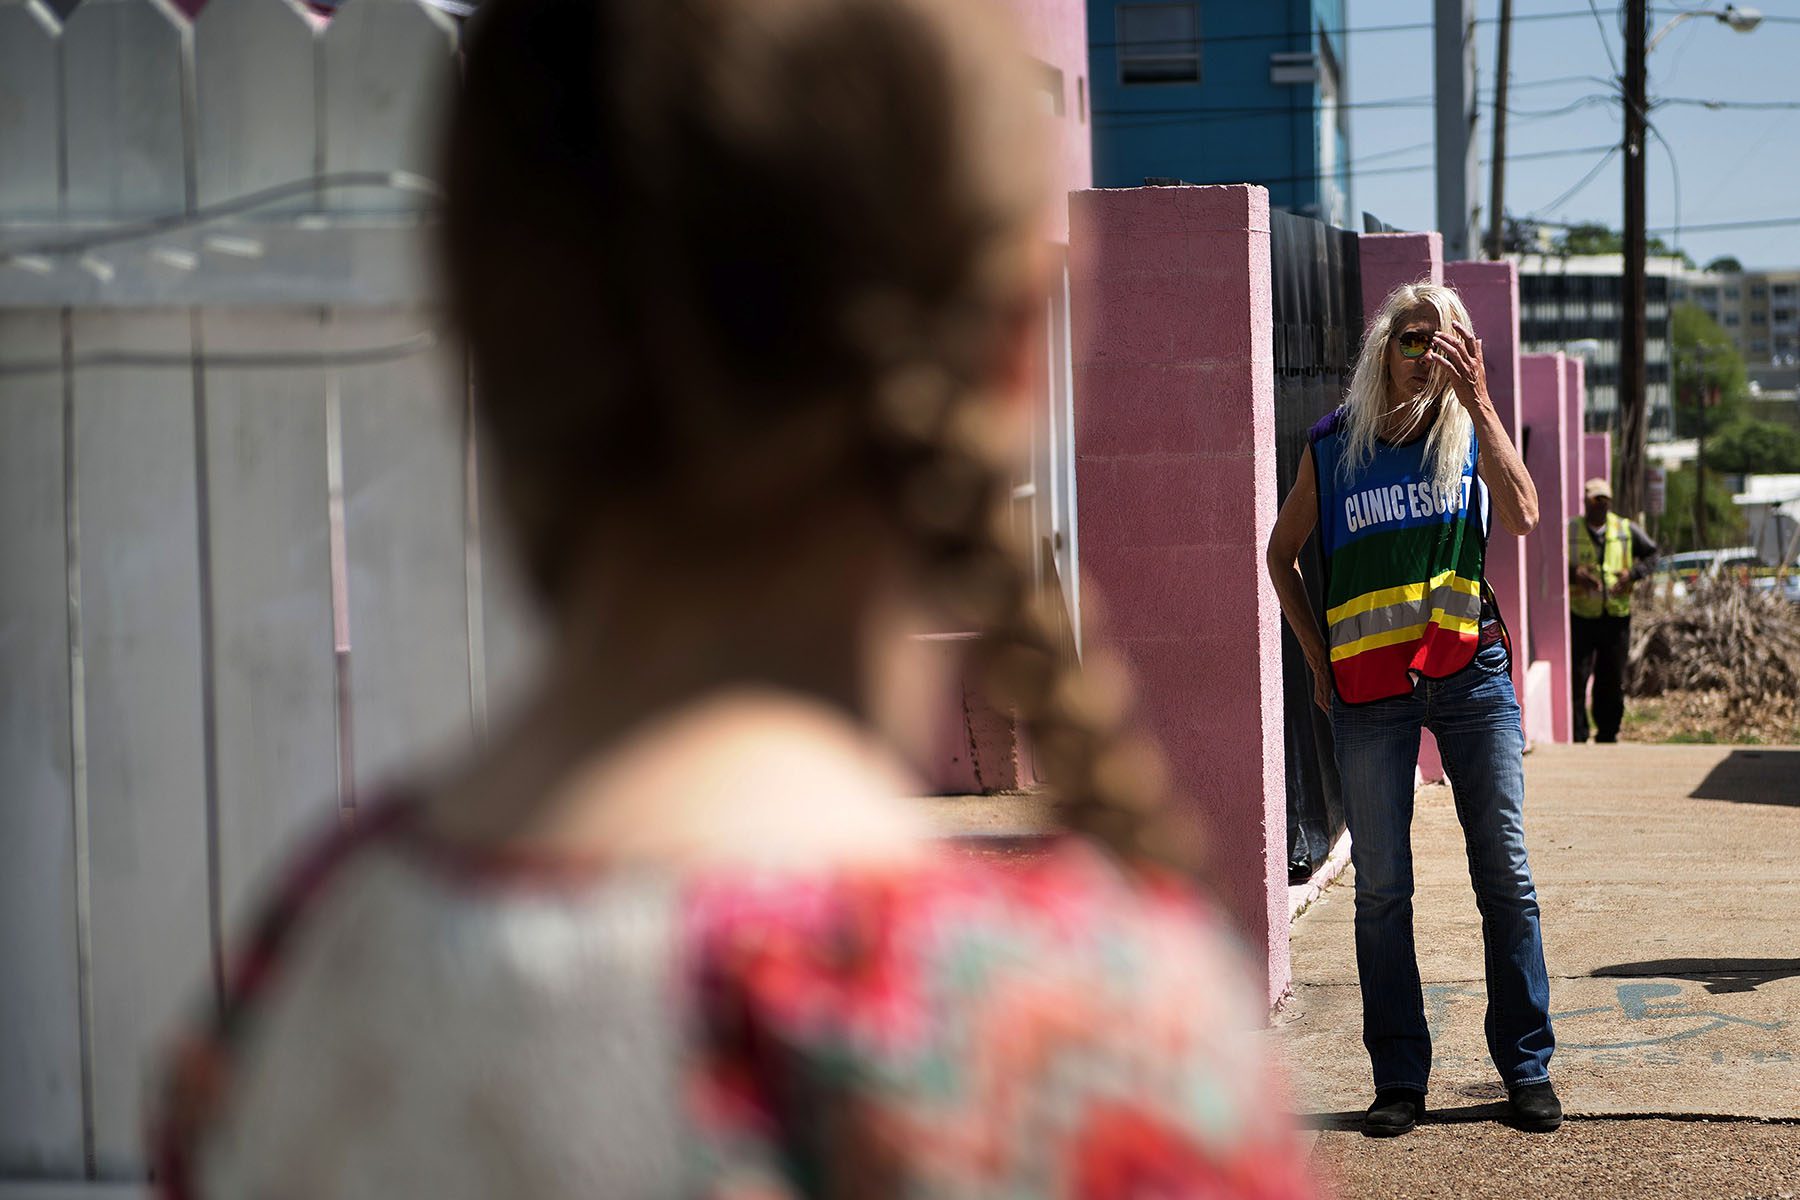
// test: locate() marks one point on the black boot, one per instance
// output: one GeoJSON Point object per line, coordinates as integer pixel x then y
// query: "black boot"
{"type": "Point", "coordinates": [1395, 1111]}
{"type": "Point", "coordinates": [1535, 1107]}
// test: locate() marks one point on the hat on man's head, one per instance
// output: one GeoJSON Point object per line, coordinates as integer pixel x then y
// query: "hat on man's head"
{"type": "Point", "coordinates": [1596, 488]}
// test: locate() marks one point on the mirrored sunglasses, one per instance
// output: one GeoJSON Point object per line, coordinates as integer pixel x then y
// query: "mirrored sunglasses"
{"type": "Point", "coordinates": [1414, 342]}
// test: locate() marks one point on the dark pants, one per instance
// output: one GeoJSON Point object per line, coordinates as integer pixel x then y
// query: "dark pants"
{"type": "Point", "coordinates": [1598, 647]}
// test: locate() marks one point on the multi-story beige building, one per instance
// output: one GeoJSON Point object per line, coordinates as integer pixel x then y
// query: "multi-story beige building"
{"type": "Point", "coordinates": [1572, 303]}
{"type": "Point", "coordinates": [1759, 309]}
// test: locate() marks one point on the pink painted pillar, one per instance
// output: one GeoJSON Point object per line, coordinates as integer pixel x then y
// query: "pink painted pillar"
{"type": "Point", "coordinates": [1596, 460]}
{"type": "Point", "coordinates": [1391, 259]}
{"type": "Point", "coordinates": [1574, 406]}
{"type": "Point", "coordinates": [1175, 462]}
{"type": "Point", "coordinates": [1547, 447]}
{"type": "Point", "coordinates": [1490, 291]}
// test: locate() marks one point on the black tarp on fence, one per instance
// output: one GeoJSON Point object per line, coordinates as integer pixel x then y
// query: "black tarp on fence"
{"type": "Point", "coordinates": [1318, 329]}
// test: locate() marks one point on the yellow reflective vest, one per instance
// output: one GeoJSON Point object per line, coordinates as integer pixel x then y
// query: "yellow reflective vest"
{"type": "Point", "coordinates": [1614, 564]}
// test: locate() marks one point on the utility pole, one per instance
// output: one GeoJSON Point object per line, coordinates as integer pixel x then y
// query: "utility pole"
{"type": "Point", "coordinates": [1454, 34]}
{"type": "Point", "coordinates": [1496, 245]}
{"type": "Point", "coordinates": [1700, 538]}
{"type": "Point", "coordinates": [1633, 415]}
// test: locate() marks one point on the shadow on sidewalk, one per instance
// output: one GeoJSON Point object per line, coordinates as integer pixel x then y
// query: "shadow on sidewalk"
{"type": "Point", "coordinates": [1353, 1120]}
{"type": "Point", "coordinates": [1720, 975]}
{"type": "Point", "coordinates": [1753, 777]}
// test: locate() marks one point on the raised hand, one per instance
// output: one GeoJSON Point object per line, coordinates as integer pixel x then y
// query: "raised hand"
{"type": "Point", "coordinates": [1458, 350]}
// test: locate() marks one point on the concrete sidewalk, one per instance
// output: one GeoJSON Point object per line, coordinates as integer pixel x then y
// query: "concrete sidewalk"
{"type": "Point", "coordinates": [1671, 905]}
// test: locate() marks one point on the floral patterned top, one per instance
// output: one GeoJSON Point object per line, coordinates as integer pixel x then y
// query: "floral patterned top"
{"type": "Point", "coordinates": [413, 1020]}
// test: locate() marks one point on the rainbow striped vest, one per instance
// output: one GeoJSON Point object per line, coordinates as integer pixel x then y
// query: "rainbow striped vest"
{"type": "Point", "coordinates": [1403, 565]}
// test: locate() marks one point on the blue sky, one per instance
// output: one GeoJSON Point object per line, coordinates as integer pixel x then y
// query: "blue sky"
{"type": "Point", "coordinates": [1733, 164]}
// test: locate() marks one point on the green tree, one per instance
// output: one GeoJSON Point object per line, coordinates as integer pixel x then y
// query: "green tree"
{"type": "Point", "coordinates": [1725, 524]}
{"type": "Point", "coordinates": [1593, 238]}
{"type": "Point", "coordinates": [1657, 248]}
{"type": "Point", "coordinates": [1709, 373]}
{"type": "Point", "coordinates": [1747, 446]}
{"type": "Point", "coordinates": [1589, 238]}
{"type": "Point", "coordinates": [1726, 264]}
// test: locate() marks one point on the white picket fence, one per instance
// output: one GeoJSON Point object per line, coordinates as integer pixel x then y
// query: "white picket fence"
{"type": "Point", "coordinates": [244, 576]}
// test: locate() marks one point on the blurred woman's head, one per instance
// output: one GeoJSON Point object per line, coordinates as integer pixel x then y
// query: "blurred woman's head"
{"type": "Point", "coordinates": [728, 266]}
{"type": "Point", "coordinates": [747, 285]}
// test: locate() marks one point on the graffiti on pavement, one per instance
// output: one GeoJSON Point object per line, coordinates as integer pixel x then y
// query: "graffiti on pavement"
{"type": "Point", "coordinates": [1653, 1016]}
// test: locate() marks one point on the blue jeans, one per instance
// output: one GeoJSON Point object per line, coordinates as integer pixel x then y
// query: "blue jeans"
{"type": "Point", "coordinates": [1475, 717]}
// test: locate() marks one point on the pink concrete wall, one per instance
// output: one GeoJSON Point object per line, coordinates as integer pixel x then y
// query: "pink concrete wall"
{"type": "Point", "coordinates": [1490, 291]}
{"type": "Point", "coordinates": [1539, 704]}
{"type": "Point", "coordinates": [1055, 33]}
{"type": "Point", "coordinates": [1574, 407]}
{"type": "Point", "coordinates": [976, 747]}
{"type": "Point", "coordinates": [1391, 259]}
{"type": "Point", "coordinates": [1548, 449]}
{"type": "Point", "coordinates": [1175, 461]}
{"type": "Point", "coordinates": [1596, 457]}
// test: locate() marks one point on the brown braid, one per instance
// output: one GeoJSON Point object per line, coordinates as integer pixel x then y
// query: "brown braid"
{"type": "Point", "coordinates": [1111, 783]}
{"type": "Point", "coordinates": [726, 260]}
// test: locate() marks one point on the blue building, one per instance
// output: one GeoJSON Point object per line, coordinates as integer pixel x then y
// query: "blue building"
{"type": "Point", "coordinates": [1223, 91]}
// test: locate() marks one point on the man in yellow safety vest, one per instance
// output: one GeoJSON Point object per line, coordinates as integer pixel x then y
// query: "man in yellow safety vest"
{"type": "Point", "coordinates": [1607, 556]}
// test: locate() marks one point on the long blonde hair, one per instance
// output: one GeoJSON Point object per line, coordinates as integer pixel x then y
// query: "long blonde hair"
{"type": "Point", "coordinates": [1447, 443]}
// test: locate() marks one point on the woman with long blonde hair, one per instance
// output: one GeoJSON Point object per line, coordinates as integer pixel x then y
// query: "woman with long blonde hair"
{"type": "Point", "coordinates": [1401, 483]}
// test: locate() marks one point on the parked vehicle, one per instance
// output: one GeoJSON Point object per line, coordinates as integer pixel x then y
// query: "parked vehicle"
{"type": "Point", "coordinates": [1676, 572]}
{"type": "Point", "coordinates": [1785, 584]}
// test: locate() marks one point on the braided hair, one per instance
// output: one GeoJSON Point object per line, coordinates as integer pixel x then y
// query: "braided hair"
{"type": "Point", "coordinates": [732, 260]}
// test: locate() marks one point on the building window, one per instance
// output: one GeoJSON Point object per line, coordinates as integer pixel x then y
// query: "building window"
{"type": "Point", "coordinates": [1784, 291]}
{"type": "Point", "coordinates": [1783, 316]}
{"type": "Point", "coordinates": [1159, 43]}
{"type": "Point", "coordinates": [1759, 346]}
{"type": "Point", "coordinates": [1731, 320]}
{"type": "Point", "coordinates": [1758, 291]}
{"type": "Point", "coordinates": [1759, 318]}
{"type": "Point", "coordinates": [1731, 293]}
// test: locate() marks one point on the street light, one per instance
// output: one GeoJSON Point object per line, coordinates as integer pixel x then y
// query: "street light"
{"type": "Point", "coordinates": [1743, 20]}
{"type": "Point", "coordinates": [1633, 420]}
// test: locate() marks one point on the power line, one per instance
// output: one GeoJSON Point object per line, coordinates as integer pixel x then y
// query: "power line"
{"type": "Point", "coordinates": [1716, 104]}
{"type": "Point", "coordinates": [1565, 152]}
{"type": "Point", "coordinates": [1396, 152]}
{"type": "Point", "coordinates": [1710, 227]}
{"type": "Point", "coordinates": [1607, 45]}
{"type": "Point", "coordinates": [1355, 169]}
{"type": "Point", "coordinates": [1138, 118]}
{"type": "Point", "coordinates": [1674, 174]}
{"type": "Point", "coordinates": [1345, 31]}
{"type": "Point", "coordinates": [1593, 173]}
{"type": "Point", "coordinates": [1230, 110]}
{"type": "Point", "coordinates": [1540, 113]}
{"type": "Point", "coordinates": [1514, 85]}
